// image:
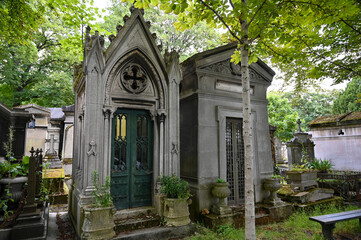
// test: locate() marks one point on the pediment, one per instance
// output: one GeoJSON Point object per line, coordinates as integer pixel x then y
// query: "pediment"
{"type": "Point", "coordinates": [226, 67]}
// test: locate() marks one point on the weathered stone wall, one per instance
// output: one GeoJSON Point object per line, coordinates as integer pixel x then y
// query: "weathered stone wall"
{"type": "Point", "coordinates": [343, 150]}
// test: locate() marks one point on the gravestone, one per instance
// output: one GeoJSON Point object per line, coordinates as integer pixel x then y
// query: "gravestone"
{"type": "Point", "coordinates": [51, 156]}
{"type": "Point", "coordinates": [300, 148]}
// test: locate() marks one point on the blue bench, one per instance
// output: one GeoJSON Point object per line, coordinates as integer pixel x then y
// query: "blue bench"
{"type": "Point", "coordinates": [328, 221]}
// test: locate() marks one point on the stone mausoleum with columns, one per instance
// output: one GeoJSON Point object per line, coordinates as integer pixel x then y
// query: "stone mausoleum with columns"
{"type": "Point", "coordinates": [140, 115]}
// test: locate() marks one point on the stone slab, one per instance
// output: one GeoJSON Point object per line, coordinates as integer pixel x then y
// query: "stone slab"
{"type": "Point", "coordinates": [53, 173]}
{"type": "Point", "coordinates": [159, 233]}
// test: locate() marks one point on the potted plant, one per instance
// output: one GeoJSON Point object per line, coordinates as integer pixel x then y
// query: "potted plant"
{"type": "Point", "coordinates": [176, 201]}
{"type": "Point", "coordinates": [12, 175]}
{"type": "Point", "coordinates": [99, 216]}
{"type": "Point", "coordinates": [272, 184]}
{"type": "Point", "coordinates": [221, 191]}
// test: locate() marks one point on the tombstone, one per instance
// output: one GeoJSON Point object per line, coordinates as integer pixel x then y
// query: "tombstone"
{"type": "Point", "coordinates": [211, 126]}
{"type": "Point", "coordinates": [300, 148]}
{"type": "Point", "coordinates": [51, 156]}
{"type": "Point", "coordinates": [126, 117]}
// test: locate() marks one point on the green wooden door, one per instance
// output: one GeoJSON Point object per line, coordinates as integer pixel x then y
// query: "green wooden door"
{"type": "Point", "coordinates": [131, 159]}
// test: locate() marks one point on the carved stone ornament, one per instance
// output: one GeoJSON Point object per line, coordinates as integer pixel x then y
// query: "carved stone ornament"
{"type": "Point", "coordinates": [236, 69]}
{"type": "Point", "coordinates": [133, 78]}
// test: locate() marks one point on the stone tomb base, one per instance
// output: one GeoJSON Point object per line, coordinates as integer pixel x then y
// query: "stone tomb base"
{"type": "Point", "coordinates": [54, 182]}
{"type": "Point", "coordinates": [29, 226]}
{"type": "Point", "coordinates": [264, 214]}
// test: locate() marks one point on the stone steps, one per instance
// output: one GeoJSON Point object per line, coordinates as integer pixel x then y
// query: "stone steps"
{"type": "Point", "coordinates": [159, 233]}
{"type": "Point", "coordinates": [137, 218]}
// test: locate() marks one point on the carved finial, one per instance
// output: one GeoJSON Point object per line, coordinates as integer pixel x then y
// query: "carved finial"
{"type": "Point", "coordinates": [132, 8]}
{"type": "Point", "coordinates": [154, 35]}
{"type": "Point", "coordinates": [299, 125]}
{"type": "Point", "coordinates": [96, 33]}
{"type": "Point", "coordinates": [125, 18]}
{"type": "Point", "coordinates": [149, 23]}
{"type": "Point", "coordinates": [160, 47]}
{"type": "Point", "coordinates": [87, 35]}
{"type": "Point", "coordinates": [142, 11]}
{"type": "Point", "coordinates": [101, 41]}
{"type": "Point", "coordinates": [32, 151]}
{"type": "Point", "coordinates": [111, 38]}
{"type": "Point", "coordinates": [119, 27]}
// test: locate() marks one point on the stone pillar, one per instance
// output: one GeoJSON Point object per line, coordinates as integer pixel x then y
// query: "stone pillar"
{"type": "Point", "coordinates": [300, 148]}
{"type": "Point", "coordinates": [161, 118]}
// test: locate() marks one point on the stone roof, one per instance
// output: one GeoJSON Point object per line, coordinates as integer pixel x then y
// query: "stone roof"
{"type": "Point", "coordinates": [349, 118]}
{"type": "Point", "coordinates": [57, 114]}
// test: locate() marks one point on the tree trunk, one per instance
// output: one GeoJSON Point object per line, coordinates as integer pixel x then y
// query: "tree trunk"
{"type": "Point", "coordinates": [250, 228]}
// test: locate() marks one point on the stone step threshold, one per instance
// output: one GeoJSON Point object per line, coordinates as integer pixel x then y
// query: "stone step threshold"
{"type": "Point", "coordinates": [159, 233]}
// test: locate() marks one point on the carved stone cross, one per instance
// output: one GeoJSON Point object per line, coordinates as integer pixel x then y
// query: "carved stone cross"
{"type": "Point", "coordinates": [134, 79]}
{"type": "Point", "coordinates": [52, 140]}
{"type": "Point", "coordinates": [299, 125]}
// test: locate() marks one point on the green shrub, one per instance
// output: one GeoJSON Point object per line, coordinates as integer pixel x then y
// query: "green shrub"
{"type": "Point", "coordinates": [321, 165]}
{"type": "Point", "coordinates": [220, 180]}
{"type": "Point", "coordinates": [174, 187]}
{"type": "Point", "coordinates": [101, 194]}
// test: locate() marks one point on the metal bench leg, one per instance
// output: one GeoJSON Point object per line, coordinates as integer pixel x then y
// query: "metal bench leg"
{"type": "Point", "coordinates": [327, 230]}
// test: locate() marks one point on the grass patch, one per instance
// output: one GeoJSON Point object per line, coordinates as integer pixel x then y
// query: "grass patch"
{"type": "Point", "coordinates": [298, 226]}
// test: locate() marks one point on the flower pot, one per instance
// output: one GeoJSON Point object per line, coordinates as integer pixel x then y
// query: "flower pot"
{"type": "Point", "coordinates": [272, 185]}
{"type": "Point", "coordinates": [98, 223]}
{"type": "Point", "coordinates": [221, 191]}
{"type": "Point", "coordinates": [303, 180]}
{"type": "Point", "coordinates": [15, 186]}
{"type": "Point", "coordinates": [176, 211]}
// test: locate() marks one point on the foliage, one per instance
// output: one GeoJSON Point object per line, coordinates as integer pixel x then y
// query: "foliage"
{"type": "Point", "coordinates": [186, 43]}
{"type": "Point", "coordinates": [281, 115]}
{"type": "Point", "coordinates": [321, 164]}
{"type": "Point", "coordinates": [298, 226]}
{"type": "Point", "coordinates": [38, 67]}
{"type": "Point", "coordinates": [11, 168]}
{"type": "Point", "coordinates": [101, 194]}
{"type": "Point", "coordinates": [220, 180]}
{"type": "Point", "coordinates": [311, 105]}
{"type": "Point", "coordinates": [275, 176]}
{"type": "Point", "coordinates": [174, 187]}
{"type": "Point", "coordinates": [4, 204]}
{"type": "Point", "coordinates": [20, 19]}
{"type": "Point", "coordinates": [347, 100]}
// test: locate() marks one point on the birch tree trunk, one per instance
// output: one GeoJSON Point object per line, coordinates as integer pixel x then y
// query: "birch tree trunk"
{"type": "Point", "coordinates": [250, 228]}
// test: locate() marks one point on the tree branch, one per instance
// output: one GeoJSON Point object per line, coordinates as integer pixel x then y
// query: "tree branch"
{"type": "Point", "coordinates": [255, 14]}
{"type": "Point", "coordinates": [222, 20]}
{"type": "Point", "coordinates": [352, 27]}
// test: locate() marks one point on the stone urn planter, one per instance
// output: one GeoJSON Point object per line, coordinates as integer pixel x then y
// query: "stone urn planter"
{"type": "Point", "coordinates": [176, 211]}
{"type": "Point", "coordinates": [221, 191]}
{"type": "Point", "coordinates": [302, 179]}
{"type": "Point", "coordinates": [272, 185]}
{"type": "Point", "coordinates": [15, 186]}
{"type": "Point", "coordinates": [98, 223]}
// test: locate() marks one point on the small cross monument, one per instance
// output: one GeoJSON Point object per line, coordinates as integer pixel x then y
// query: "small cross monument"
{"type": "Point", "coordinates": [51, 156]}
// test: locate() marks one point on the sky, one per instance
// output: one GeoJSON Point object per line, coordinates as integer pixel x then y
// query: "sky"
{"type": "Point", "coordinates": [276, 83]}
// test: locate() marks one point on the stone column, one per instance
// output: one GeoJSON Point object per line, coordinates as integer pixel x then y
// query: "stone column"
{"type": "Point", "coordinates": [161, 119]}
{"type": "Point", "coordinates": [107, 111]}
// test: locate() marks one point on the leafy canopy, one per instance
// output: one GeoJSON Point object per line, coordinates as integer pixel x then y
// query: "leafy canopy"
{"type": "Point", "coordinates": [348, 100]}
{"type": "Point", "coordinates": [38, 67]}
{"type": "Point", "coordinates": [282, 116]}
{"type": "Point", "coordinates": [308, 40]}
{"type": "Point", "coordinates": [186, 43]}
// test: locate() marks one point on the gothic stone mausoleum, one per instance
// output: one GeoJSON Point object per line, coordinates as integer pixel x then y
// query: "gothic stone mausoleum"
{"type": "Point", "coordinates": [140, 115]}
